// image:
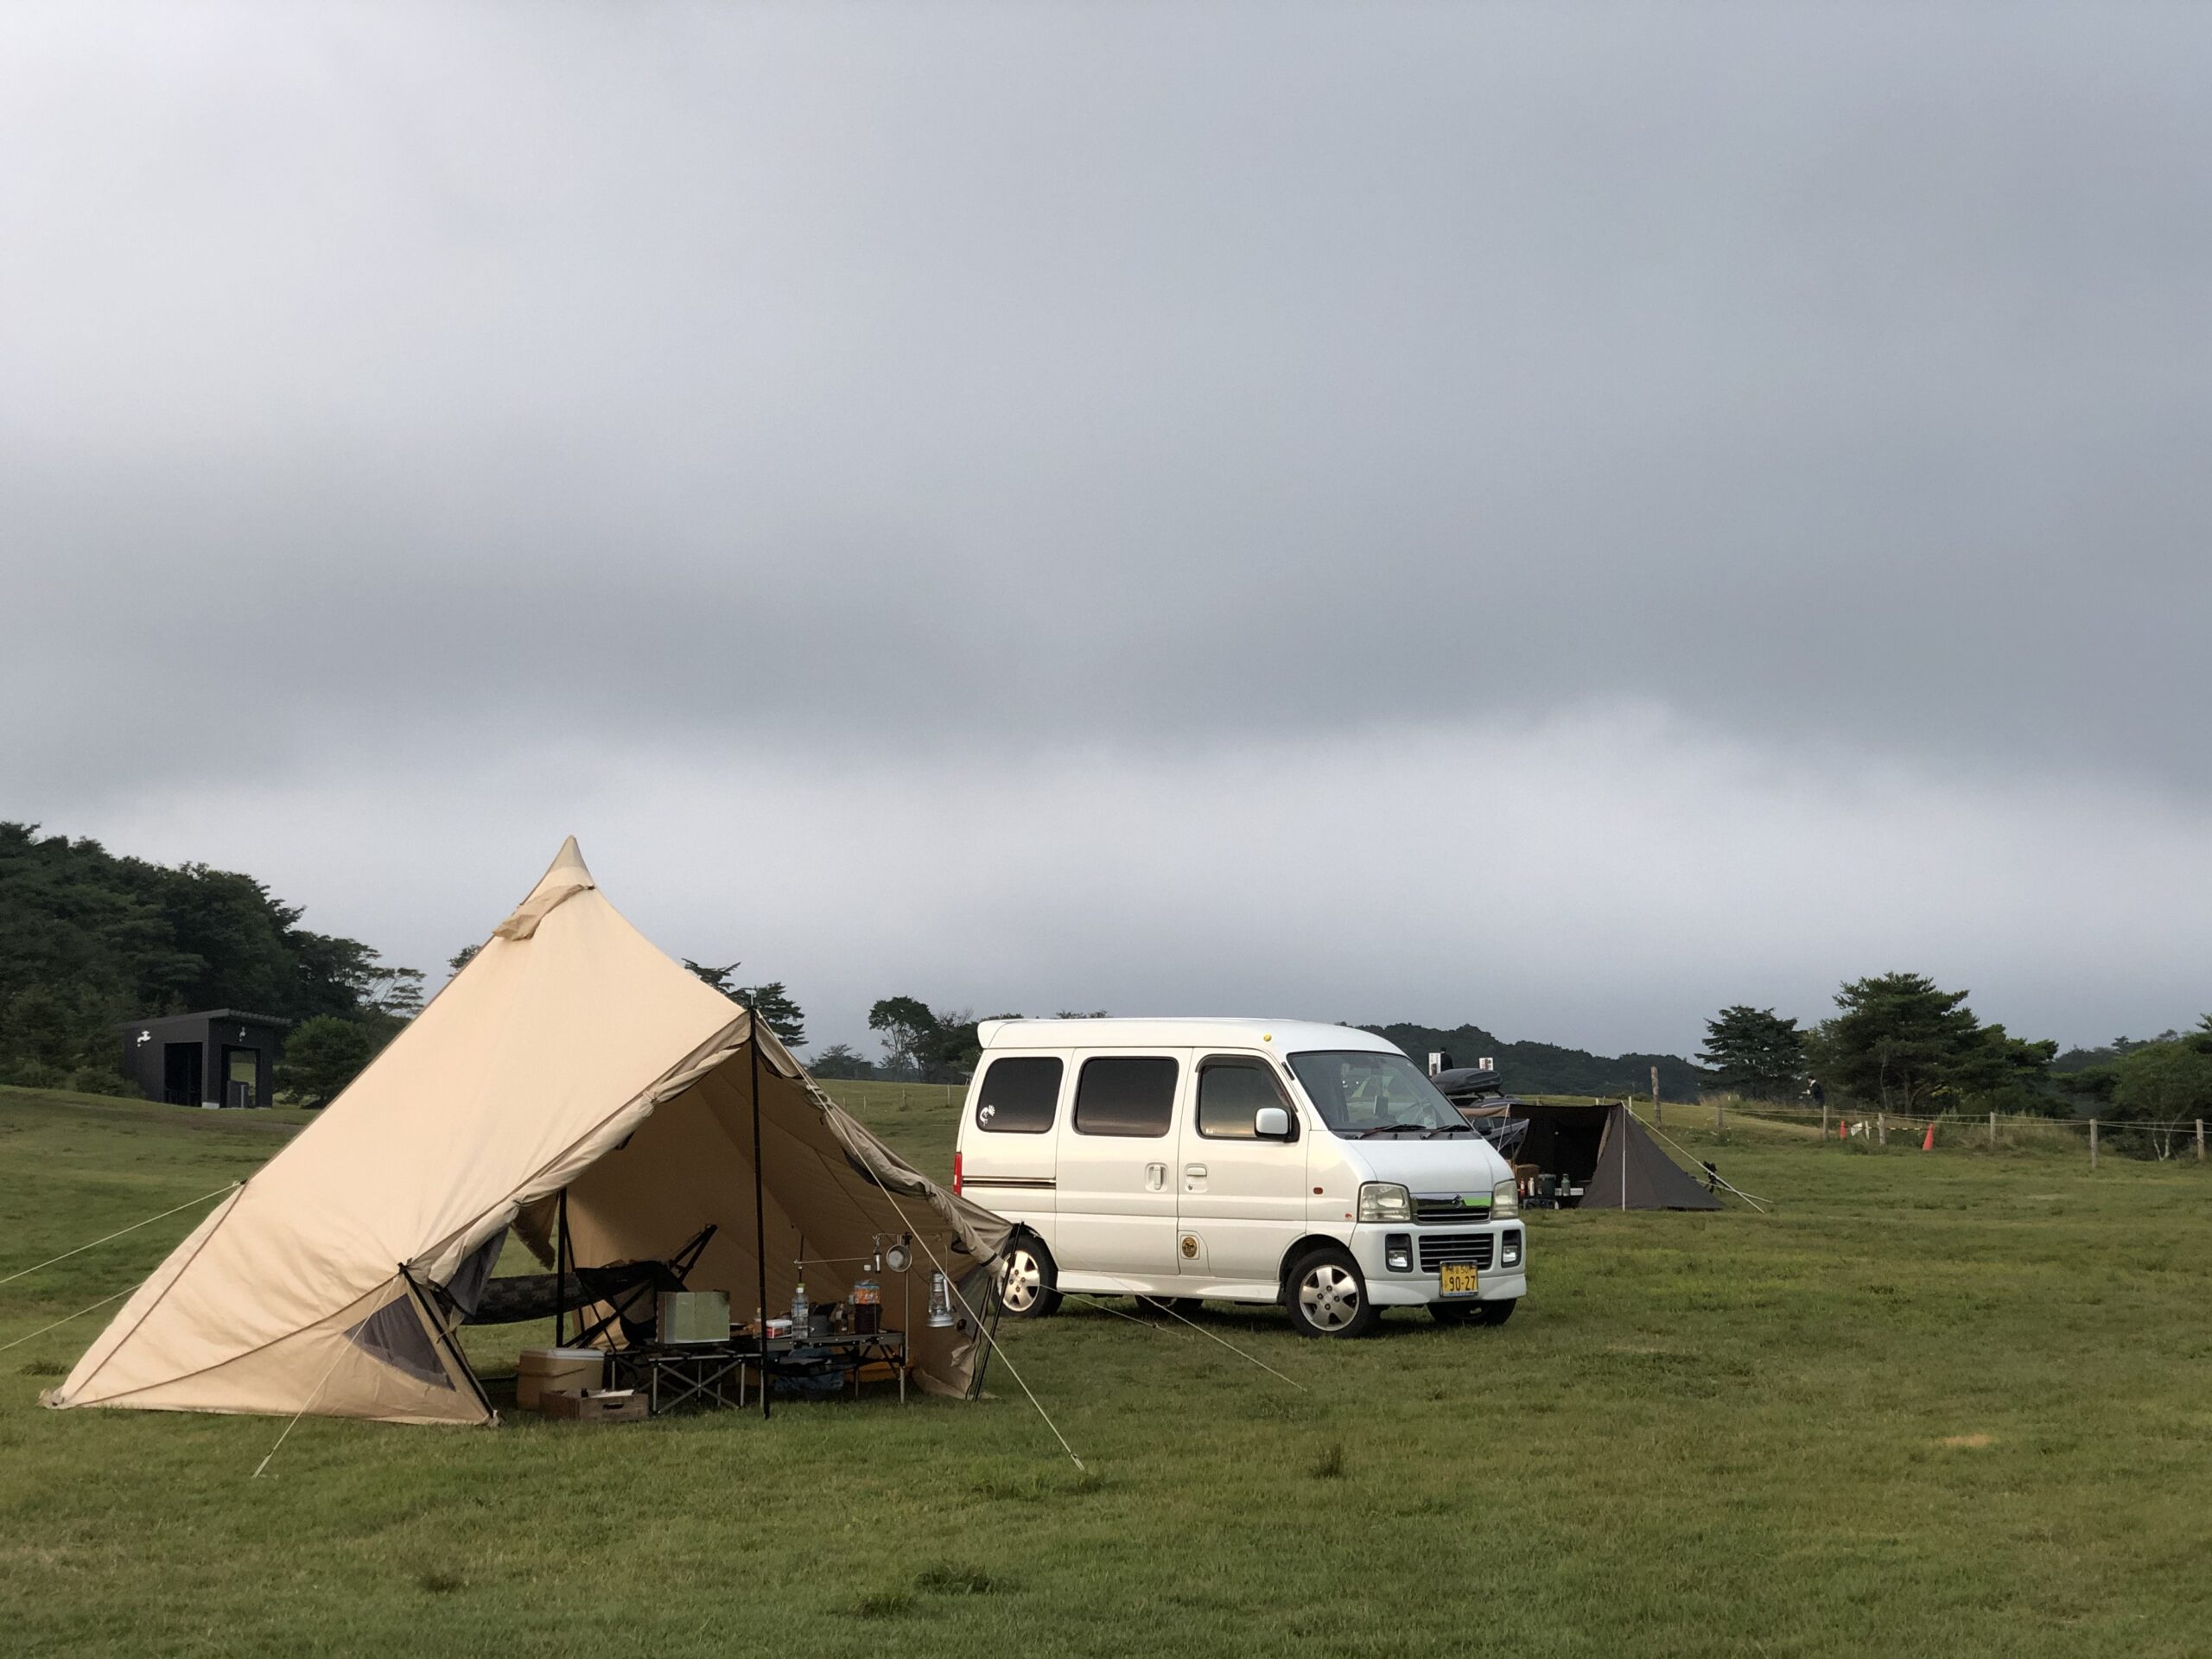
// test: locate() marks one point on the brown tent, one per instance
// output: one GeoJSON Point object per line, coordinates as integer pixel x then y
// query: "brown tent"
{"type": "Point", "coordinates": [569, 1057]}
{"type": "Point", "coordinates": [1602, 1149]}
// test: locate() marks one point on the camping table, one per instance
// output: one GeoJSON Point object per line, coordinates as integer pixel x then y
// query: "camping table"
{"type": "Point", "coordinates": [674, 1373]}
{"type": "Point", "coordinates": [851, 1352]}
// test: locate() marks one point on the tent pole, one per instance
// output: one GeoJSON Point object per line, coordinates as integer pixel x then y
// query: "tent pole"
{"type": "Point", "coordinates": [760, 1204]}
{"type": "Point", "coordinates": [445, 1336]}
{"type": "Point", "coordinates": [560, 1268]}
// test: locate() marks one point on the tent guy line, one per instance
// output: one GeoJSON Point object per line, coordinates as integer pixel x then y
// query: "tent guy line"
{"type": "Point", "coordinates": [65, 1318]}
{"type": "Point", "coordinates": [1697, 1162]}
{"type": "Point", "coordinates": [982, 1329]}
{"type": "Point", "coordinates": [1160, 1303]}
{"type": "Point", "coordinates": [296, 1415]}
{"type": "Point", "coordinates": [120, 1231]}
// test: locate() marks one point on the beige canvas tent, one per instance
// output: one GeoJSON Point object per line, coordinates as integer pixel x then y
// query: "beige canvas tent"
{"type": "Point", "coordinates": [570, 1058]}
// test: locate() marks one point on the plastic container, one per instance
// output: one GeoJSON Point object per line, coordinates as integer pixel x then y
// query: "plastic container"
{"type": "Point", "coordinates": [694, 1316]}
{"type": "Point", "coordinates": [555, 1370]}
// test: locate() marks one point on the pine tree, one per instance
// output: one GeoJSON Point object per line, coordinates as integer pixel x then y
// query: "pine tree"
{"type": "Point", "coordinates": [1755, 1053]}
{"type": "Point", "coordinates": [1899, 1040]}
{"type": "Point", "coordinates": [777, 1010]}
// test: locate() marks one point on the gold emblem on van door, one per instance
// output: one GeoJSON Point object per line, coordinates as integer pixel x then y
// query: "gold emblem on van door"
{"type": "Point", "coordinates": [1190, 1247]}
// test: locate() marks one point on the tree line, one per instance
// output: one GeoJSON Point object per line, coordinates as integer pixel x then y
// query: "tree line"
{"type": "Point", "coordinates": [1899, 1042]}
{"type": "Point", "coordinates": [90, 938]}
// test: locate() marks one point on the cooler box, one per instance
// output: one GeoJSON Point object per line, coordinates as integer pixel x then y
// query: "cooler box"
{"type": "Point", "coordinates": [555, 1370]}
{"type": "Point", "coordinates": [695, 1316]}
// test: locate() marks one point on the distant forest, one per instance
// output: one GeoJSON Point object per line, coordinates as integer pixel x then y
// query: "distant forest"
{"type": "Point", "coordinates": [1547, 1068]}
{"type": "Point", "coordinates": [89, 939]}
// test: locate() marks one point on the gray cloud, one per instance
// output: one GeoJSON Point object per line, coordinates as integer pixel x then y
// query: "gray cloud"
{"type": "Point", "coordinates": [952, 387]}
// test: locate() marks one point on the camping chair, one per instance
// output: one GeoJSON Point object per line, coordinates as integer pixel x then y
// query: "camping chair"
{"type": "Point", "coordinates": [630, 1291]}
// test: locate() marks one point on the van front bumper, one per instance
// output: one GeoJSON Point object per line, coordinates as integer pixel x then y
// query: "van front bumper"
{"type": "Point", "coordinates": [1416, 1285]}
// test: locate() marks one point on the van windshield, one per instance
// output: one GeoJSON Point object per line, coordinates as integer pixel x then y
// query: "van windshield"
{"type": "Point", "coordinates": [1358, 1092]}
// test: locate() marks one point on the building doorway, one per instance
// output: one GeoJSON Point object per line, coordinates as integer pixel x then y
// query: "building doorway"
{"type": "Point", "coordinates": [181, 1074]}
{"type": "Point", "coordinates": [241, 1076]}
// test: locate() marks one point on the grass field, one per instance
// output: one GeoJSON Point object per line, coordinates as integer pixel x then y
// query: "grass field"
{"type": "Point", "coordinates": [1936, 1402]}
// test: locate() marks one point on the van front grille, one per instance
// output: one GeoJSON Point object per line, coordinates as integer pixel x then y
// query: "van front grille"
{"type": "Point", "coordinates": [1447, 1209]}
{"type": "Point", "coordinates": [1437, 1249]}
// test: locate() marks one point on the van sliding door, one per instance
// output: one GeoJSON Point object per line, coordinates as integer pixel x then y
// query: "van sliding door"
{"type": "Point", "coordinates": [1117, 1191]}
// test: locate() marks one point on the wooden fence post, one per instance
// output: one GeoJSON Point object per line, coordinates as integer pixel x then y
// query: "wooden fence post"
{"type": "Point", "coordinates": [1993, 1131]}
{"type": "Point", "coordinates": [2093, 1143]}
{"type": "Point", "coordinates": [1881, 1128]}
{"type": "Point", "coordinates": [1656, 1120]}
{"type": "Point", "coordinates": [2200, 1139]}
{"type": "Point", "coordinates": [1824, 1120]}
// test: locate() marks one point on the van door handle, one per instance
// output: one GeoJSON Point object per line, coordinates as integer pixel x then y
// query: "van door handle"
{"type": "Point", "coordinates": [1155, 1178]}
{"type": "Point", "coordinates": [1194, 1177]}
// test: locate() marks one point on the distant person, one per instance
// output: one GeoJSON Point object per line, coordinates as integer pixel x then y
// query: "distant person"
{"type": "Point", "coordinates": [1817, 1095]}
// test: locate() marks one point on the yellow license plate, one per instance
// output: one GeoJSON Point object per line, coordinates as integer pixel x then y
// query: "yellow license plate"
{"type": "Point", "coordinates": [1458, 1279]}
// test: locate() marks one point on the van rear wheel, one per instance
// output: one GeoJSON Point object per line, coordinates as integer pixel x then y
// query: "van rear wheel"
{"type": "Point", "coordinates": [1028, 1284]}
{"type": "Point", "coordinates": [1324, 1296]}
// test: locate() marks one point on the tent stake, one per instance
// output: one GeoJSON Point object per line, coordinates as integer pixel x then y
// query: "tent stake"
{"type": "Point", "coordinates": [760, 1206]}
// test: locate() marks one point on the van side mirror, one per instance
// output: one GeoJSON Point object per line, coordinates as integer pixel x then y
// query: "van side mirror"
{"type": "Point", "coordinates": [1271, 1124]}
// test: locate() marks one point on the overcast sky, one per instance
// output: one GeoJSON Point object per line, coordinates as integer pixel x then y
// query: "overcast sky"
{"type": "Point", "coordinates": [1560, 516]}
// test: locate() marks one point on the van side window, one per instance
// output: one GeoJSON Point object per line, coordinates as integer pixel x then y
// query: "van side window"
{"type": "Point", "coordinates": [1019, 1095]}
{"type": "Point", "coordinates": [1120, 1095]}
{"type": "Point", "coordinates": [1231, 1089]}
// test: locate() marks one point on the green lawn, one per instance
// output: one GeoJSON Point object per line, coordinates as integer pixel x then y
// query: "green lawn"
{"type": "Point", "coordinates": [1952, 1402]}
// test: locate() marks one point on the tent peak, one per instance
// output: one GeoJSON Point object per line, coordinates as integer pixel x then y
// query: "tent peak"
{"type": "Point", "coordinates": [564, 878]}
{"type": "Point", "coordinates": [568, 863]}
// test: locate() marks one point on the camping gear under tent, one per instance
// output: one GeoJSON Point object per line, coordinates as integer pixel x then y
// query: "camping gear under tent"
{"type": "Point", "coordinates": [572, 1083]}
{"type": "Point", "coordinates": [1599, 1147]}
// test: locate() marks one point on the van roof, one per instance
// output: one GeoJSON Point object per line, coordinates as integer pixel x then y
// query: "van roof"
{"type": "Point", "coordinates": [1282, 1036]}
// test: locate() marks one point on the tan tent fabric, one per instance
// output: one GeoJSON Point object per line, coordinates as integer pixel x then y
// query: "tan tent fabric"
{"type": "Point", "coordinates": [570, 1053]}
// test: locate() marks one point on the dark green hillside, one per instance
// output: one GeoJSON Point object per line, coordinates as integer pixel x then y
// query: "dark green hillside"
{"type": "Point", "coordinates": [1547, 1068]}
{"type": "Point", "coordinates": [88, 939]}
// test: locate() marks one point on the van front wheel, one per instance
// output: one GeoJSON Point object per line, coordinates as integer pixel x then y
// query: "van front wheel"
{"type": "Point", "coordinates": [1324, 1296]}
{"type": "Point", "coordinates": [1028, 1284]}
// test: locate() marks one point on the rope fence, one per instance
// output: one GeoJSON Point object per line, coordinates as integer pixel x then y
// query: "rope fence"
{"type": "Point", "coordinates": [1853, 1124]}
{"type": "Point", "coordinates": [1849, 1123]}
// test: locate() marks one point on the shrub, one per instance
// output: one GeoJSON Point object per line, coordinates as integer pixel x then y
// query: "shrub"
{"type": "Point", "coordinates": [102, 1080]}
{"type": "Point", "coordinates": [323, 1055]}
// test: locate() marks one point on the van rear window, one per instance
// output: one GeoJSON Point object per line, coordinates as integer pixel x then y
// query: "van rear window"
{"type": "Point", "coordinates": [1019, 1095]}
{"type": "Point", "coordinates": [1125, 1097]}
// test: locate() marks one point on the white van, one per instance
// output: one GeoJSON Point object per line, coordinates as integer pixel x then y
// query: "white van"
{"type": "Point", "coordinates": [1242, 1160]}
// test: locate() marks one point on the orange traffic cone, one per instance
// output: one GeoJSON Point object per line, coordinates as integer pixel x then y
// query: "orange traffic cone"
{"type": "Point", "coordinates": [1842, 1129]}
{"type": "Point", "coordinates": [1928, 1141]}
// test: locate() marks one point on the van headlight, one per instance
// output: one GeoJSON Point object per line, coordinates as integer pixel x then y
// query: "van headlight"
{"type": "Point", "coordinates": [1504, 1199]}
{"type": "Point", "coordinates": [1385, 1201]}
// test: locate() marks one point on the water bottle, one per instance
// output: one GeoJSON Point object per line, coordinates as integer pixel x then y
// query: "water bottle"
{"type": "Point", "coordinates": [798, 1308]}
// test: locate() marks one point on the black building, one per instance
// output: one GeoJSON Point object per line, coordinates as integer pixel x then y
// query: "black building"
{"type": "Point", "coordinates": [220, 1056]}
